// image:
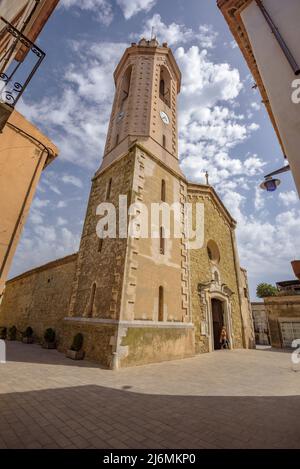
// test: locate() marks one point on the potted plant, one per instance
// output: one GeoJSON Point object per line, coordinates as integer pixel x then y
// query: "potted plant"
{"type": "Point", "coordinates": [3, 333]}
{"type": "Point", "coordinates": [12, 333]}
{"type": "Point", "coordinates": [76, 352]}
{"type": "Point", "coordinates": [28, 336]}
{"type": "Point", "coordinates": [49, 339]}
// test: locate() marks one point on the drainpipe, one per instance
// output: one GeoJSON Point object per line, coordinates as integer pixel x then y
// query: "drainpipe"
{"type": "Point", "coordinates": [288, 54]}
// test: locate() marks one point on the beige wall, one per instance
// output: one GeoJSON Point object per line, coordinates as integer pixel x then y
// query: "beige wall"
{"type": "Point", "coordinates": [247, 311]}
{"type": "Point", "coordinates": [278, 307]}
{"type": "Point", "coordinates": [39, 298]}
{"type": "Point", "coordinates": [260, 322]}
{"type": "Point", "coordinates": [276, 73]}
{"type": "Point", "coordinates": [205, 285]}
{"type": "Point", "coordinates": [104, 268]}
{"type": "Point", "coordinates": [147, 269]}
{"type": "Point", "coordinates": [22, 159]}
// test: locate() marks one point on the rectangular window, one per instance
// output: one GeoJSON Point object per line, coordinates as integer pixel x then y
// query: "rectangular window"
{"type": "Point", "coordinates": [161, 304]}
{"type": "Point", "coordinates": [163, 190]}
{"type": "Point", "coordinates": [108, 191]}
{"type": "Point", "coordinates": [162, 241]}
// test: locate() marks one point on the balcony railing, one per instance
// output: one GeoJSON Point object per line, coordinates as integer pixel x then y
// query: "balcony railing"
{"type": "Point", "coordinates": [19, 60]}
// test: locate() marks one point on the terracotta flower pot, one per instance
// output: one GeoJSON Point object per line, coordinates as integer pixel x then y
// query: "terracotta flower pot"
{"type": "Point", "coordinates": [75, 355]}
{"type": "Point", "coordinates": [27, 340]}
{"type": "Point", "coordinates": [296, 268]}
{"type": "Point", "coordinates": [49, 345]}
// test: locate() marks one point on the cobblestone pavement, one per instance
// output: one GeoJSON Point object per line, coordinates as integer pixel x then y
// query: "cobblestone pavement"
{"type": "Point", "coordinates": [226, 399]}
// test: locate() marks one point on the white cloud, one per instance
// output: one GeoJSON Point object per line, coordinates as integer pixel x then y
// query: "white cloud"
{"type": "Point", "coordinates": [288, 198]}
{"type": "Point", "coordinates": [254, 126]}
{"type": "Point", "coordinates": [205, 81]}
{"type": "Point", "coordinates": [207, 36]}
{"type": "Point", "coordinates": [132, 7]}
{"type": "Point", "coordinates": [44, 243]}
{"type": "Point", "coordinates": [256, 106]}
{"type": "Point", "coordinates": [209, 128]}
{"type": "Point", "coordinates": [61, 221]}
{"type": "Point", "coordinates": [175, 33]}
{"type": "Point", "coordinates": [172, 34]}
{"type": "Point", "coordinates": [77, 119]}
{"type": "Point", "coordinates": [102, 9]}
{"type": "Point", "coordinates": [62, 204]}
{"type": "Point", "coordinates": [40, 203]}
{"type": "Point", "coordinates": [73, 180]}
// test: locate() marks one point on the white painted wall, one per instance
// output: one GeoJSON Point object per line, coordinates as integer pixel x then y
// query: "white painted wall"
{"type": "Point", "coordinates": [10, 8]}
{"type": "Point", "coordinates": [276, 71]}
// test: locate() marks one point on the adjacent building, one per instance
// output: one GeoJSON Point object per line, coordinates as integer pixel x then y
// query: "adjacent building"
{"type": "Point", "coordinates": [268, 35]}
{"type": "Point", "coordinates": [142, 298]}
{"type": "Point", "coordinates": [277, 318]}
{"type": "Point", "coordinates": [260, 323]}
{"type": "Point", "coordinates": [24, 150]}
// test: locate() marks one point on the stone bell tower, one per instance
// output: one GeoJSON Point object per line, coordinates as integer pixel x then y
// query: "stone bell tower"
{"type": "Point", "coordinates": [147, 82]}
{"type": "Point", "coordinates": [130, 294]}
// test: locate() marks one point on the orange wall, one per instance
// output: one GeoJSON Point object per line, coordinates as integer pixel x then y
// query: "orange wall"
{"type": "Point", "coordinates": [22, 160]}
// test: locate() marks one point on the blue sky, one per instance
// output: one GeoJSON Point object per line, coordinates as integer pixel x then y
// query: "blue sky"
{"type": "Point", "coordinates": [223, 127]}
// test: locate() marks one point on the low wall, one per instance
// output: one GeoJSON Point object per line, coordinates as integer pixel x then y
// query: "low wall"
{"type": "Point", "coordinates": [39, 298]}
{"type": "Point", "coordinates": [98, 339]}
{"type": "Point", "coordinates": [142, 345]}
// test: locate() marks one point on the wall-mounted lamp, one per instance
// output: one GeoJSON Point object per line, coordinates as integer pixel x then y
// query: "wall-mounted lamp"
{"type": "Point", "coordinates": [270, 184]}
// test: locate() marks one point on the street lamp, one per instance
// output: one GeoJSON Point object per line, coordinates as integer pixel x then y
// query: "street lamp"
{"type": "Point", "coordinates": [270, 184]}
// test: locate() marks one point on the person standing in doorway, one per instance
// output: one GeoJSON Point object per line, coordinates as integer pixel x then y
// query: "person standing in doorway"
{"type": "Point", "coordinates": [223, 338]}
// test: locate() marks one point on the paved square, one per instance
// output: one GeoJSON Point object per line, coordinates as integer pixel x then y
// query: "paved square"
{"type": "Point", "coordinates": [226, 399]}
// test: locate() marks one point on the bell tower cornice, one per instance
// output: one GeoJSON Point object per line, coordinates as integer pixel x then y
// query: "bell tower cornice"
{"type": "Point", "coordinates": [152, 48]}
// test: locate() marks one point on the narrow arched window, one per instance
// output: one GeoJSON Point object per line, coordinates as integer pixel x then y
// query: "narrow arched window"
{"type": "Point", "coordinates": [117, 139]}
{"type": "Point", "coordinates": [162, 89]}
{"type": "Point", "coordinates": [163, 190]}
{"type": "Point", "coordinates": [92, 300]}
{"type": "Point", "coordinates": [108, 191]}
{"type": "Point", "coordinates": [162, 240]}
{"type": "Point", "coordinates": [100, 244]}
{"type": "Point", "coordinates": [164, 141]}
{"type": "Point", "coordinates": [126, 81]}
{"type": "Point", "coordinates": [161, 304]}
{"type": "Point", "coordinates": [165, 86]}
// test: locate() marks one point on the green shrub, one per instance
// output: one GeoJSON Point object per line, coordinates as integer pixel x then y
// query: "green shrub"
{"type": "Point", "coordinates": [77, 342]}
{"type": "Point", "coordinates": [12, 333]}
{"type": "Point", "coordinates": [265, 289]}
{"type": "Point", "coordinates": [3, 333]}
{"type": "Point", "coordinates": [49, 335]}
{"type": "Point", "coordinates": [29, 332]}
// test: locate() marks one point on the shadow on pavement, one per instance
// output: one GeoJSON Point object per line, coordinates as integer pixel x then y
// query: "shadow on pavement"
{"type": "Point", "coordinates": [101, 417]}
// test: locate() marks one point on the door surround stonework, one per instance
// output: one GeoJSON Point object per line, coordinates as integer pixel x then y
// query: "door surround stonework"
{"type": "Point", "coordinates": [207, 292]}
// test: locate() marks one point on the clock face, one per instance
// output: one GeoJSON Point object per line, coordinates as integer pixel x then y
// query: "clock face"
{"type": "Point", "coordinates": [164, 117]}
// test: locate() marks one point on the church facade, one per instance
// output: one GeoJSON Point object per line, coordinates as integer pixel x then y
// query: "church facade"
{"type": "Point", "coordinates": [140, 299]}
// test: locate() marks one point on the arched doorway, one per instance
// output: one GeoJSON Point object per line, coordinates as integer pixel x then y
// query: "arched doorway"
{"type": "Point", "coordinates": [218, 321]}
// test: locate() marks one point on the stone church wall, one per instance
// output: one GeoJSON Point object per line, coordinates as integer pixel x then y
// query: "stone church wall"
{"type": "Point", "coordinates": [39, 298]}
{"type": "Point", "coordinates": [202, 270]}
